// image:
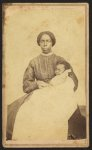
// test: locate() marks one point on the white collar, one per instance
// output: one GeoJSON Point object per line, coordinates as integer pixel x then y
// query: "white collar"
{"type": "Point", "coordinates": [47, 54]}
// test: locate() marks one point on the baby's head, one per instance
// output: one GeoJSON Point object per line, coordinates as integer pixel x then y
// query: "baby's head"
{"type": "Point", "coordinates": [61, 67]}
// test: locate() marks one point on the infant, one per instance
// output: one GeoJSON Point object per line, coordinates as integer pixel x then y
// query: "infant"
{"type": "Point", "coordinates": [61, 75]}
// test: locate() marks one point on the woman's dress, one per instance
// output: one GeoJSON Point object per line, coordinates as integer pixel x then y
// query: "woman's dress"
{"type": "Point", "coordinates": [45, 114]}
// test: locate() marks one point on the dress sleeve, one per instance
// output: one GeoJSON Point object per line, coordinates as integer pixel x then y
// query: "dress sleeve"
{"type": "Point", "coordinates": [71, 74]}
{"type": "Point", "coordinates": [75, 80]}
{"type": "Point", "coordinates": [29, 83]}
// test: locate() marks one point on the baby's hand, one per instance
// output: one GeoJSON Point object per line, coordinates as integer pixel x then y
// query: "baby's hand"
{"type": "Point", "coordinates": [70, 74]}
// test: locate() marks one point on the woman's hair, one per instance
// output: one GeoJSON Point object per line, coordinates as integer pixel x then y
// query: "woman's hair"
{"type": "Point", "coordinates": [66, 65]}
{"type": "Point", "coordinates": [48, 33]}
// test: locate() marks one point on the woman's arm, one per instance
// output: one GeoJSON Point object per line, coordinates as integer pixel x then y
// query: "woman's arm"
{"type": "Point", "coordinates": [29, 83]}
{"type": "Point", "coordinates": [75, 80]}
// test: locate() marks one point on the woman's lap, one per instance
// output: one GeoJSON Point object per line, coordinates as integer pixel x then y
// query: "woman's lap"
{"type": "Point", "coordinates": [44, 113]}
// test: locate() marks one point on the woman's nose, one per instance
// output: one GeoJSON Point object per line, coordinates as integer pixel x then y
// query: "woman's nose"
{"type": "Point", "coordinates": [45, 43]}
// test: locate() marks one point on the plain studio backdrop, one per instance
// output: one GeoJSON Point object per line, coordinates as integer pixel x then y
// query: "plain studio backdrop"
{"type": "Point", "coordinates": [23, 23]}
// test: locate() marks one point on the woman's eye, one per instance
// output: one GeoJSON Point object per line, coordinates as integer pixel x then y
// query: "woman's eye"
{"type": "Point", "coordinates": [48, 41]}
{"type": "Point", "coordinates": [42, 41]}
{"type": "Point", "coordinates": [57, 70]}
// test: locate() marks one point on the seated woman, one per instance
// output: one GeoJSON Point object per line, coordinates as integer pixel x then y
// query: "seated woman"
{"type": "Point", "coordinates": [39, 72]}
{"type": "Point", "coordinates": [43, 116]}
{"type": "Point", "coordinates": [43, 66]}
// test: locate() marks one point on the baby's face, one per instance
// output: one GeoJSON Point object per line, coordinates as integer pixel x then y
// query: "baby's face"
{"type": "Point", "coordinates": [60, 68]}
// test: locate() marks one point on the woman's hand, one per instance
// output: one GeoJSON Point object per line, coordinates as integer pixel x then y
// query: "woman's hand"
{"type": "Point", "coordinates": [42, 84]}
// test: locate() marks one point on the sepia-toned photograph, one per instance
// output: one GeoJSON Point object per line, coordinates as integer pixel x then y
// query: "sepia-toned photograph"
{"type": "Point", "coordinates": [45, 75]}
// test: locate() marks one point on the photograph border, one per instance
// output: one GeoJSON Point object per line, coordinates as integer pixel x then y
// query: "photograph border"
{"type": "Point", "coordinates": [88, 38]}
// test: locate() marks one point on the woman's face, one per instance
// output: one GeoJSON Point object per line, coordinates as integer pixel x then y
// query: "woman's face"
{"type": "Point", "coordinates": [46, 43]}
